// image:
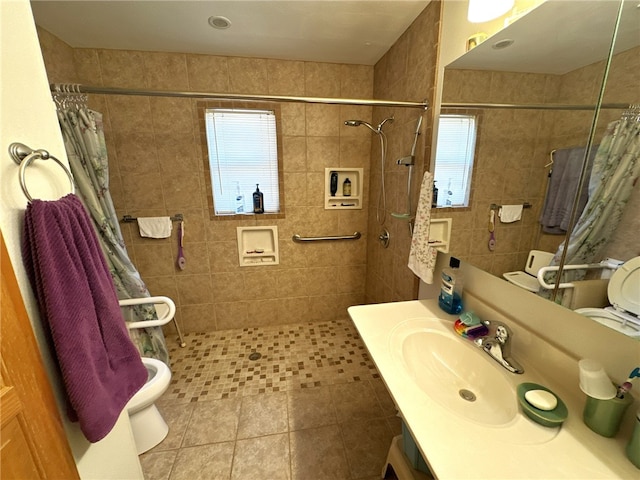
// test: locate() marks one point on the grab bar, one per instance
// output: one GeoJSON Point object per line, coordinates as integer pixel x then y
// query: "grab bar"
{"type": "Point", "coordinates": [585, 266]}
{"type": "Point", "coordinates": [297, 238]}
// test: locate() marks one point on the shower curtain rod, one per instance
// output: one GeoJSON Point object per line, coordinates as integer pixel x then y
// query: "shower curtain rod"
{"type": "Point", "coordinates": [77, 88]}
{"type": "Point", "coordinates": [532, 106]}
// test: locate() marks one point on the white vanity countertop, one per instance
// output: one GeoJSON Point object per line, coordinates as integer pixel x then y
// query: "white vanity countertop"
{"type": "Point", "coordinates": [456, 447]}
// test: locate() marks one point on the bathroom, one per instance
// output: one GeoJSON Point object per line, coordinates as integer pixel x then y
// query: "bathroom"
{"type": "Point", "coordinates": [322, 280]}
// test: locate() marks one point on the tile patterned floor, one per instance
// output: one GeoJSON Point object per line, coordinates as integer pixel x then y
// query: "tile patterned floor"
{"type": "Point", "coordinates": [312, 407]}
{"type": "Point", "coordinates": [219, 365]}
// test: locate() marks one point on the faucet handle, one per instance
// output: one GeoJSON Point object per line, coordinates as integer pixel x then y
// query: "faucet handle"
{"type": "Point", "coordinates": [503, 333]}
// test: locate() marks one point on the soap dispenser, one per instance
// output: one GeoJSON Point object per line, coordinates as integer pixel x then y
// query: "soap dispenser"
{"type": "Point", "coordinates": [258, 201]}
{"type": "Point", "coordinates": [450, 298]}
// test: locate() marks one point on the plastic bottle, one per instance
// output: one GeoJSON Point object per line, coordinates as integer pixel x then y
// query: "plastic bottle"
{"type": "Point", "coordinates": [334, 184]}
{"type": "Point", "coordinates": [239, 199]}
{"type": "Point", "coordinates": [450, 298]}
{"type": "Point", "coordinates": [434, 201]}
{"type": "Point", "coordinates": [346, 188]}
{"type": "Point", "coordinates": [258, 201]}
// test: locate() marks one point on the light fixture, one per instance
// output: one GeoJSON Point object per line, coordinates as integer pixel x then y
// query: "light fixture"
{"type": "Point", "coordinates": [219, 22]}
{"type": "Point", "coordinates": [505, 43]}
{"type": "Point", "coordinates": [484, 10]}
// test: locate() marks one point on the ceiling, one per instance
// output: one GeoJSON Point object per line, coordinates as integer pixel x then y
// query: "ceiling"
{"type": "Point", "coordinates": [336, 31]}
{"type": "Point", "coordinates": [558, 37]}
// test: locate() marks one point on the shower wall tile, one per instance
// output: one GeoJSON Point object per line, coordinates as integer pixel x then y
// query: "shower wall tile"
{"type": "Point", "coordinates": [248, 75]}
{"type": "Point", "coordinates": [194, 289]}
{"type": "Point", "coordinates": [405, 72]}
{"type": "Point", "coordinates": [285, 77]}
{"type": "Point", "coordinates": [294, 154]}
{"type": "Point", "coordinates": [153, 260]}
{"type": "Point", "coordinates": [87, 65]}
{"type": "Point", "coordinates": [322, 79]}
{"type": "Point", "coordinates": [130, 114]}
{"type": "Point", "coordinates": [356, 81]}
{"type": "Point", "coordinates": [322, 120]}
{"type": "Point", "coordinates": [142, 191]}
{"type": "Point", "coordinates": [322, 152]}
{"type": "Point", "coordinates": [208, 73]}
{"type": "Point", "coordinates": [293, 119]}
{"type": "Point", "coordinates": [166, 71]}
{"type": "Point", "coordinates": [172, 115]}
{"type": "Point", "coordinates": [182, 190]}
{"type": "Point", "coordinates": [195, 318]}
{"type": "Point", "coordinates": [157, 168]}
{"type": "Point", "coordinates": [58, 57]}
{"type": "Point", "coordinates": [123, 68]}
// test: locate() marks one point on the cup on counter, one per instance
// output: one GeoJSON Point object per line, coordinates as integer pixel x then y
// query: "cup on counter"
{"type": "Point", "coordinates": [605, 416]}
{"type": "Point", "coordinates": [594, 380]}
{"type": "Point", "coordinates": [633, 447]}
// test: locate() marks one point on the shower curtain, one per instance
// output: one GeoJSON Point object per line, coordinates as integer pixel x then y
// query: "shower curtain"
{"type": "Point", "coordinates": [84, 141]}
{"type": "Point", "coordinates": [615, 173]}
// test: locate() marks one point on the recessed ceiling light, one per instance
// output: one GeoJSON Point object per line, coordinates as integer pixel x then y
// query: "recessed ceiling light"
{"type": "Point", "coordinates": [500, 44]}
{"type": "Point", "coordinates": [219, 22]}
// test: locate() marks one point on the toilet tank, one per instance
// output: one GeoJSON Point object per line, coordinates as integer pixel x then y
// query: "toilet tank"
{"type": "Point", "coordinates": [536, 260]}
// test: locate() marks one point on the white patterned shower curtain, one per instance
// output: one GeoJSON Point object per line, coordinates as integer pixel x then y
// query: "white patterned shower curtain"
{"type": "Point", "coordinates": [84, 141]}
{"type": "Point", "coordinates": [615, 173]}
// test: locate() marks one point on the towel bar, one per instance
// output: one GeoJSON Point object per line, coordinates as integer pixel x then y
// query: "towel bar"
{"type": "Point", "coordinates": [24, 155]}
{"type": "Point", "coordinates": [178, 217]}
{"type": "Point", "coordinates": [495, 206]}
{"type": "Point", "coordinates": [297, 238]}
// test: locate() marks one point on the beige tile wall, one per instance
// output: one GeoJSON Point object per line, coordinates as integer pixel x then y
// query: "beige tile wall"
{"type": "Point", "coordinates": [156, 168]}
{"type": "Point", "coordinates": [405, 72]}
{"type": "Point", "coordinates": [514, 146]}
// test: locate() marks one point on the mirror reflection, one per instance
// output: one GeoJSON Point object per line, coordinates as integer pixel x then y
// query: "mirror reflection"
{"type": "Point", "coordinates": [533, 157]}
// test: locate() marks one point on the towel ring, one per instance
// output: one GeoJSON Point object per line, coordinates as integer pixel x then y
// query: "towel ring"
{"type": "Point", "coordinates": [24, 155]}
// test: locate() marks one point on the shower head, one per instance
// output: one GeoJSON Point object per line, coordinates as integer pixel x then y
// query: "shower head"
{"type": "Point", "coordinates": [357, 123]}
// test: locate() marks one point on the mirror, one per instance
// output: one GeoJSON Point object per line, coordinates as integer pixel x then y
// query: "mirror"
{"type": "Point", "coordinates": [558, 56]}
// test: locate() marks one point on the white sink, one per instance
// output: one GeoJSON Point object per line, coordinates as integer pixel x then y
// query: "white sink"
{"type": "Point", "coordinates": [453, 372]}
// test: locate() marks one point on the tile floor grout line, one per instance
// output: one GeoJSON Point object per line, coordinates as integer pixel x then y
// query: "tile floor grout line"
{"type": "Point", "coordinates": [296, 357]}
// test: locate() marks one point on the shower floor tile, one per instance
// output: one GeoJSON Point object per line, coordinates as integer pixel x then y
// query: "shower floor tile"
{"type": "Point", "coordinates": [312, 407]}
{"type": "Point", "coordinates": [220, 364]}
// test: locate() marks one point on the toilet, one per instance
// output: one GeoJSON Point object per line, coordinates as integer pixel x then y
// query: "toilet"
{"type": "Point", "coordinates": [147, 424]}
{"type": "Point", "coordinates": [529, 278]}
{"type": "Point", "coordinates": [624, 296]}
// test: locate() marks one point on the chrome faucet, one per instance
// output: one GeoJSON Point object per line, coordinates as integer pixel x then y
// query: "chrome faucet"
{"type": "Point", "coordinates": [499, 347]}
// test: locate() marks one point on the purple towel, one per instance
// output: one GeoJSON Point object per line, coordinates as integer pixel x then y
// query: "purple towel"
{"type": "Point", "coordinates": [101, 369]}
{"type": "Point", "coordinates": [563, 184]}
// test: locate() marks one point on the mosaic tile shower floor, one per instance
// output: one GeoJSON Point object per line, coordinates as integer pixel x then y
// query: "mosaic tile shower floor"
{"type": "Point", "coordinates": [312, 407]}
{"type": "Point", "coordinates": [220, 364]}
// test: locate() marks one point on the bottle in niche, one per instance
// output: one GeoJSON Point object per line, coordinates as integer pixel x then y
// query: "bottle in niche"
{"type": "Point", "coordinates": [258, 201]}
{"type": "Point", "coordinates": [239, 199]}
{"type": "Point", "coordinates": [334, 184]}
{"type": "Point", "coordinates": [346, 188]}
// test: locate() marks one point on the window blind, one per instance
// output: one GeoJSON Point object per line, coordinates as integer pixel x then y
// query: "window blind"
{"type": "Point", "coordinates": [454, 159]}
{"type": "Point", "coordinates": [243, 152]}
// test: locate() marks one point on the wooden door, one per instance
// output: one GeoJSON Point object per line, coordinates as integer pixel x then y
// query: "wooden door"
{"type": "Point", "coordinates": [33, 442]}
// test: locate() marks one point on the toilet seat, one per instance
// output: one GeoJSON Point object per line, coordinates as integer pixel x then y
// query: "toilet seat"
{"type": "Point", "coordinates": [624, 287]}
{"type": "Point", "coordinates": [624, 296]}
{"type": "Point", "coordinates": [156, 384]}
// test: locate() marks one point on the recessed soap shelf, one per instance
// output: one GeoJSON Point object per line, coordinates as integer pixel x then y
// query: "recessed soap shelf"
{"type": "Point", "coordinates": [339, 201]}
{"type": "Point", "coordinates": [257, 246]}
{"type": "Point", "coordinates": [440, 234]}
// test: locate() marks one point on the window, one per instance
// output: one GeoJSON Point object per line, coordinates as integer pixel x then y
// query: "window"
{"type": "Point", "coordinates": [454, 159]}
{"type": "Point", "coordinates": [242, 147]}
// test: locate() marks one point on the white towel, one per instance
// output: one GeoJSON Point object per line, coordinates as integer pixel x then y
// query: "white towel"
{"type": "Point", "coordinates": [422, 257]}
{"type": "Point", "coordinates": [510, 213]}
{"type": "Point", "coordinates": [155, 227]}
